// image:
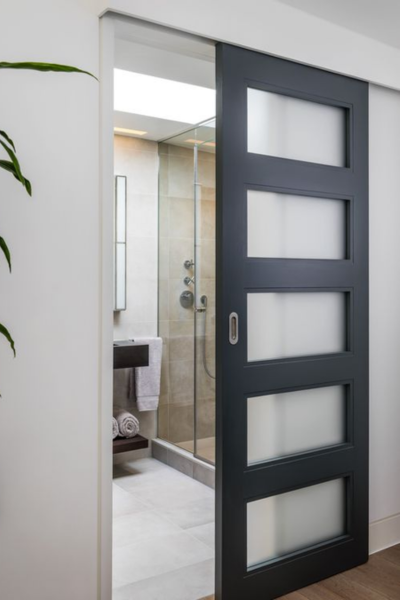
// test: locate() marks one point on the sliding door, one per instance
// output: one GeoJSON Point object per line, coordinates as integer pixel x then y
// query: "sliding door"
{"type": "Point", "coordinates": [292, 325]}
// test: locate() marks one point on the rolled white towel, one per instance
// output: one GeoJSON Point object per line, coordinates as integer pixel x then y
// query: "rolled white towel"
{"type": "Point", "coordinates": [128, 425]}
{"type": "Point", "coordinates": [115, 431]}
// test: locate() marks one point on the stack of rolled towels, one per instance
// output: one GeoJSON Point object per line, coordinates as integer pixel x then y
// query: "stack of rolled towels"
{"type": "Point", "coordinates": [124, 424]}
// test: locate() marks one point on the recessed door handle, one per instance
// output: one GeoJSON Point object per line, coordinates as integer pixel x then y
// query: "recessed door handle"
{"type": "Point", "coordinates": [233, 328]}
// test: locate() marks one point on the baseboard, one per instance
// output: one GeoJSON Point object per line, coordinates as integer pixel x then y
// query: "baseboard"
{"type": "Point", "coordinates": [384, 533]}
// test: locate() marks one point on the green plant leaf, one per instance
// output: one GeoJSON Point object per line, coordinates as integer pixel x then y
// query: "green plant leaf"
{"type": "Point", "coordinates": [37, 66]}
{"type": "Point", "coordinates": [8, 139]}
{"type": "Point", "coordinates": [4, 247]}
{"type": "Point", "coordinates": [6, 333]}
{"type": "Point", "coordinates": [14, 161]}
{"type": "Point", "coordinates": [27, 185]}
{"type": "Point", "coordinates": [9, 166]}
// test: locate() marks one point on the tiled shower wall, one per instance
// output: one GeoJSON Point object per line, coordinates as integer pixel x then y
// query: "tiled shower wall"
{"type": "Point", "coordinates": [176, 324]}
{"type": "Point", "coordinates": [138, 160]}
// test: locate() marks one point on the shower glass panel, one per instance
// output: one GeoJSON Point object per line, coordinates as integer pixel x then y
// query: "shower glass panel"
{"type": "Point", "coordinates": [186, 415]}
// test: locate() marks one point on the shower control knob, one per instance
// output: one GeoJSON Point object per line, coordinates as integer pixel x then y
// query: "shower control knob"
{"type": "Point", "coordinates": [188, 280]}
{"type": "Point", "coordinates": [188, 264]}
{"type": "Point", "coordinates": [186, 299]}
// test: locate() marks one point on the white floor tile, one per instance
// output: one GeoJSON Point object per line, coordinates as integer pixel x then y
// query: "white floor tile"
{"type": "Point", "coordinates": [125, 503]}
{"type": "Point", "coordinates": [188, 583]}
{"type": "Point", "coordinates": [137, 527]}
{"type": "Point", "coordinates": [204, 533]}
{"type": "Point", "coordinates": [163, 534]}
{"type": "Point", "coordinates": [164, 489]}
{"type": "Point", "coordinates": [156, 556]}
{"type": "Point", "coordinates": [190, 514]}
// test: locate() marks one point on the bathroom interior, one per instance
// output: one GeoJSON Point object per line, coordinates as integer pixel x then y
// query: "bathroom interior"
{"type": "Point", "coordinates": [164, 314]}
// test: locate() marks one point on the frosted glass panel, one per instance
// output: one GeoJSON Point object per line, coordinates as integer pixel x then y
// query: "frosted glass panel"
{"type": "Point", "coordinates": [286, 226]}
{"type": "Point", "coordinates": [292, 422]}
{"type": "Point", "coordinates": [292, 128]}
{"type": "Point", "coordinates": [120, 275]}
{"type": "Point", "coordinates": [294, 521]}
{"type": "Point", "coordinates": [281, 325]}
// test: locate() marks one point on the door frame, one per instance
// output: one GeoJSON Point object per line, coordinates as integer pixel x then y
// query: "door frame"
{"type": "Point", "coordinates": [105, 340]}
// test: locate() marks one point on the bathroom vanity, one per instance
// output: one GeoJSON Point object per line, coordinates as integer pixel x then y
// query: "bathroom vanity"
{"type": "Point", "coordinates": [128, 355]}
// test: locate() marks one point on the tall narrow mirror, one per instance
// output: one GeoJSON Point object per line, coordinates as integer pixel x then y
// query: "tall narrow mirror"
{"type": "Point", "coordinates": [120, 243]}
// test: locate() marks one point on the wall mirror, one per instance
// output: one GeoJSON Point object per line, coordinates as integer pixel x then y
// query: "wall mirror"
{"type": "Point", "coordinates": [120, 243]}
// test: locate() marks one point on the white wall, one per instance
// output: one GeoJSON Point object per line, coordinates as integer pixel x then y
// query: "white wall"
{"type": "Point", "coordinates": [48, 482]}
{"type": "Point", "coordinates": [137, 159]}
{"type": "Point", "coordinates": [384, 315]}
{"type": "Point", "coordinates": [48, 413]}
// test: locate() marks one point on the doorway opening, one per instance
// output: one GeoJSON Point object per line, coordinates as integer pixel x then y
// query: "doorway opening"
{"type": "Point", "coordinates": [164, 314]}
{"type": "Point", "coordinates": [292, 320]}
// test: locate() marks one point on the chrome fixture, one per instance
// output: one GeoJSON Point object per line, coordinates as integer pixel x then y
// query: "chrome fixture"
{"type": "Point", "coordinates": [188, 264]}
{"type": "Point", "coordinates": [188, 280]}
{"type": "Point", "coordinates": [186, 299]}
{"type": "Point", "coordinates": [203, 307]}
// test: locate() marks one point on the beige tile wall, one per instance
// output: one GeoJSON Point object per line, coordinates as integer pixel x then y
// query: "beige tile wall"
{"type": "Point", "coordinates": [177, 325]}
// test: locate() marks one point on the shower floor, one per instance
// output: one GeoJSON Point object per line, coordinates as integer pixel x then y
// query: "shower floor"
{"type": "Point", "coordinates": [205, 448]}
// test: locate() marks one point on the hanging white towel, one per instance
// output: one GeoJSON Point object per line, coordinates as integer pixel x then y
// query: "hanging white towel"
{"type": "Point", "coordinates": [146, 381]}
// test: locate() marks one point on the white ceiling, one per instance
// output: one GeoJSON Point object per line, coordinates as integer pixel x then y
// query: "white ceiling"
{"type": "Point", "coordinates": [152, 50]}
{"type": "Point", "coordinates": [377, 19]}
{"type": "Point", "coordinates": [157, 129]}
{"type": "Point", "coordinates": [164, 38]}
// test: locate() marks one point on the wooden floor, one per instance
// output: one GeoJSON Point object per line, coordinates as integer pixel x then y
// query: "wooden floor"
{"type": "Point", "coordinates": [379, 579]}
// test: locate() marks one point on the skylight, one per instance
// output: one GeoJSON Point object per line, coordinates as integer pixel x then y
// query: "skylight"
{"type": "Point", "coordinates": [162, 98]}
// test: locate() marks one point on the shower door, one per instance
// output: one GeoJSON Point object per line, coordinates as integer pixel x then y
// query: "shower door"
{"type": "Point", "coordinates": [292, 325]}
{"type": "Point", "coordinates": [186, 278]}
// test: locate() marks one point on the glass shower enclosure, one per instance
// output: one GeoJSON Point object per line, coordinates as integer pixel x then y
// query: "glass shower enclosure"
{"type": "Point", "coordinates": [186, 284]}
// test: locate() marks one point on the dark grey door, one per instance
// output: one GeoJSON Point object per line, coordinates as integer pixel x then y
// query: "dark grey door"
{"type": "Point", "coordinates": [292, 325]}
